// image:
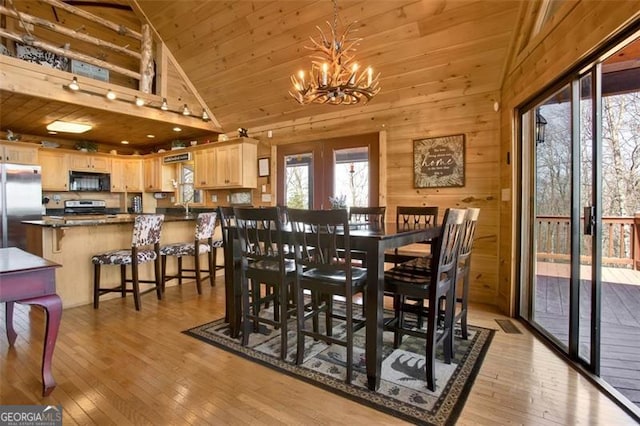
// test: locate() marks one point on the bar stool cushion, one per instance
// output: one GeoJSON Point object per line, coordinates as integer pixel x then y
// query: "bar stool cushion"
{"type": "Point", "coordinates": [183, 249]}
{"type": "Point", "coordinates": [123, 257]}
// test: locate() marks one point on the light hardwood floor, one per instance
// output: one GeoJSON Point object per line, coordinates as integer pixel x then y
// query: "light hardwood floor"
{"type": "Point", "coordinates": [118, 366]}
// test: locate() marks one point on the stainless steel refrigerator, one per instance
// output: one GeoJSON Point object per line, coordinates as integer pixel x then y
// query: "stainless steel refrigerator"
{"type": "Point", "coordinates": [20, 199]}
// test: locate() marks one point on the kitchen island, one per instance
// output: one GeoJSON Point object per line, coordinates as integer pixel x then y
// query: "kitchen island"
{"type": "Point", "coordinates": [72, 242]}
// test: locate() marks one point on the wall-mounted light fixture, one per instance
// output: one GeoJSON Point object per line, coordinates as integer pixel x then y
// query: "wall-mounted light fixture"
{"type": "Point", "coordinates": [541, 124]}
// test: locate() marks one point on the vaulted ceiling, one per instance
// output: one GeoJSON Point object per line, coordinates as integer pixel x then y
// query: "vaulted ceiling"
{"type": "Point", "coordinates": [238, 56]}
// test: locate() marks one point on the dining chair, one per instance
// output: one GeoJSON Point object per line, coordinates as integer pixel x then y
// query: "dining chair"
{"type": "Point", "coordinates": [202, 244]}
{"type": "Point", "coordinates": [145, 247]}
{"type": "Point", "coordinates": [263, 261]}
{"type": "Point", "coordinates": [464, 267]}
{"type": "Point", "coordinates": [323, 267]}
{"type": "Point", "coordinates": [231, 252]}
{"type": "Point", "coordinates": [369, 215]}
{"type": "Point", "coordinates": [434, 285]}
{"type": "Point", "coordinates": [410, 217]}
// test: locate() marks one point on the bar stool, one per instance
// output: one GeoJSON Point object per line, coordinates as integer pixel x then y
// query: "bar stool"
{"type": "Point", "coordinates": [146, 233]}
{"type": "Point", "coordinates": [205, 224]}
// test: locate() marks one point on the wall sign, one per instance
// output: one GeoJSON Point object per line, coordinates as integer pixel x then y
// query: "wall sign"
{"type": "Point", "coordinates": [438, 162]}
{"type": "Point", "coordinates": [177, 158]}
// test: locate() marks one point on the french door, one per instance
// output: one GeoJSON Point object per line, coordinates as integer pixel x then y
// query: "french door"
{"type": "Point", "coordinates": [345, 170]}
{"type": "Point", "coordinates": [580, 171]}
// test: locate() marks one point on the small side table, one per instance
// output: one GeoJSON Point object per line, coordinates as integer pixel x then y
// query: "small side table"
{"type": "Point", "coordinates": [29, 279]}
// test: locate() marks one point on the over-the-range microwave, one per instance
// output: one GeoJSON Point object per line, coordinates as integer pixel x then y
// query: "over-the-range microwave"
{"type": "Point", "coordinates": [89, 181]}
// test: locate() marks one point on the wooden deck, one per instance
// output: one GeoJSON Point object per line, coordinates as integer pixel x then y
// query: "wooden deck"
{"type": "Point", "coordinates": [620, 320]}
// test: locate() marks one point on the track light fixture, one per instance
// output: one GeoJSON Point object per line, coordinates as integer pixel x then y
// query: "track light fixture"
{"type": "Point", "coordinates": [111, 95]}
{"type": "Point", "coordinates": [185, 110]}
{"type": "Point", "coordinates": [74, 84]}
{"type": "Point", "coordinates": [164, 106]}
{"type": "Point", "coordinates": [205, 116]}
{"type": "Point", "coordinates": [139, 101]}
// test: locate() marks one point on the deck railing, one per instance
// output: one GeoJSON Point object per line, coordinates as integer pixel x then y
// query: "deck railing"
{"type": "Point", "coordinates": [620, 240]}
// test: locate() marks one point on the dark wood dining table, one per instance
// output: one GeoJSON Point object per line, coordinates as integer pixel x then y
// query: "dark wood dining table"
{"type": "Point", "coordinates": [29, 279]}
{"type": "Point", "coordinates": [372, 239]}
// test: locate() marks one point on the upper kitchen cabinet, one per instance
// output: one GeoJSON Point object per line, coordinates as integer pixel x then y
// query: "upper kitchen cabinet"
{"type": "Point", "coordinates": [55, 170]}
{"type": "Point", "coordinates": [89, 163]}
{"type": "Point", "coordinates": [126, 175]}
{"type": "Point", "coordinates": [231, 164]}
{"type": "Point", "coordinates": [158, 177]}
{"type": "Point", "coordinates": [18, 153]}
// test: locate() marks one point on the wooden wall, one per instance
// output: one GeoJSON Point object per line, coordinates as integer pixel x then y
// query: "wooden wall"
{"type": "Point", "coordinates": [471, 115]}
{"type": "Point", "coordinates": [577, 30]}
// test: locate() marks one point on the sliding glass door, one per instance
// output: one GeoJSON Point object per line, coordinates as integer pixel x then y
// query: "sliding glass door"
{"type": "Point", "coordinates": [580, 270]}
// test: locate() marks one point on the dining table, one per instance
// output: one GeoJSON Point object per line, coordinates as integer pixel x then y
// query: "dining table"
{"type": "Point", "coordinates": [372, 239]}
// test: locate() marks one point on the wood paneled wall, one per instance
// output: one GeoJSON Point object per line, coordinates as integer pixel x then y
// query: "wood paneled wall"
{"type": "Point", "coordinates": [583, 28]}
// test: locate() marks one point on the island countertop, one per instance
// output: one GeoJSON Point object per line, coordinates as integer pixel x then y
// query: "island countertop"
{"type": "Point", "coordinates": [71, 221]}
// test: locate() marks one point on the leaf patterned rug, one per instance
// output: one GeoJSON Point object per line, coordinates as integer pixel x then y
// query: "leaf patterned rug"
{"type": "Point", "coordinates": [403, 392]}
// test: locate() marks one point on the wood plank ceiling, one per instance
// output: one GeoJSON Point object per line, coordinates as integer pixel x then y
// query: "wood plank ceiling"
{"type": "Point", "coordinates": [240, 55]}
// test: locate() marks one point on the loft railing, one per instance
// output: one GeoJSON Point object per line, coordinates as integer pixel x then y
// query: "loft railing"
{"type": "Point", "coordinates": [620, 240]}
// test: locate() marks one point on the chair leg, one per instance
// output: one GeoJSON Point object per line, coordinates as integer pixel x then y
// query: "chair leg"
{"type": "Point", "coordinates": [328, 316]}
{"type": "Point", "coordinates": [212, 267]}
{"type": "Point", "coordinates": [255, 291]}
{"type": "Point", "coordinates": [96, 285]}
{"type": "Point", "coordinates": [136, 285]}
{"type": "Point", "coordinates": [283, 321]}
{"type": "Point", "coordinates": [196, 261]}
{"type": "Point", "coordinates": [300, 321]}
{"type": "Point", "coordinates": [246, 309]}
{"type": "Point", "coordinates": [179, 270]}
{"type": "Point", "coordinates": [431, 352]}
{"type": "Point", "coordinates": [349, 309]}
{"type": "Point", "coordinates": [123, 280]}
{"type": "Point", "coordinates": [159, 277]}
{"type": "Point", "coordinates": [465, 305]}
{"type": "Point", "coordinates": [397, 314]}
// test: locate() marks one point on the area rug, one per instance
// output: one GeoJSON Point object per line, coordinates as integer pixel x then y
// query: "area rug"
{"type": "Point", "coordinates": [403, 391]}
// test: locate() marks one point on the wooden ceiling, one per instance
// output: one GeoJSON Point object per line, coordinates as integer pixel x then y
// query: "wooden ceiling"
{"type": "Point", "coordinates": [240, 55]}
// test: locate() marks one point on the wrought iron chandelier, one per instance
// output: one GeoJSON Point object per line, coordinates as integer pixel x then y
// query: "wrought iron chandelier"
{"type": "Point", "coordinates": [335, 78]}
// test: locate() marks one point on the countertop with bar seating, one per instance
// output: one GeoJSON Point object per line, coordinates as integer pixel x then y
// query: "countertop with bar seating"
{"type": "Point", "coordinates": [69, 221]}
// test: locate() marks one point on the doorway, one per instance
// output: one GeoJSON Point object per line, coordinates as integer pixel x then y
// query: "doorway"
{"type": "Point", "coordinates": [580, 272]}
{"type": "Point", "coordinates": [338, 172]}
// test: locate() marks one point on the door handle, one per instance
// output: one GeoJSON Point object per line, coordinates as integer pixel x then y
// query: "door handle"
{"type": "Point", "coordinates": [589, 219]}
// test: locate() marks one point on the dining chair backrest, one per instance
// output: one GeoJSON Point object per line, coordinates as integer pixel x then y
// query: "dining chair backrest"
{"type": "Point", "coordinates": [411, 216]}
{"type": "Point", "coordinates": [446, 249]}
{"type": "Point", "coordinates": [321, 240]}
{"type": "Point", "coordinates": [226, 216]}
{"type": "Point", "coordinates": [205, 225]}
{"type": "Point", "coordinates": [146, 230]}
{"type": "Point", "coordinates": [260, 235]}
{"type": "Point", "coordinates": [371, 215]}
{"type": "Point", "coordinates": [468, 233]}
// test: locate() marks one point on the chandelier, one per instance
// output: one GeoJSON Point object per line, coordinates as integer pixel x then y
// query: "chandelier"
{"type": "Point", "coordinates": [335, 78]}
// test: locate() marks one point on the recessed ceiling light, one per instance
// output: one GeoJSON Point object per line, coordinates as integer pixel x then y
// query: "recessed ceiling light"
{"type": "Point", "coordinates": [151, 136]}
{"type": "Point", "coordinates": [124, 142]}
{"type": "Point", "coordinates": [177, 129]}
{"type": "Point", "coordinates": [68, 127]}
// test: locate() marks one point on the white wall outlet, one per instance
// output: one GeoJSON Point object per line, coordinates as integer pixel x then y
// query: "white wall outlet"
{"type": "Point", "coordinates": [214, 198]}
{"type": "Point", "coordinates": [228, 198]}
{"type": "Point", "coordinates": [173, 199]}
{"type": "Point", "coordinates": [264, 188]}
{"type": "Point", "coordinates": [56, 198]}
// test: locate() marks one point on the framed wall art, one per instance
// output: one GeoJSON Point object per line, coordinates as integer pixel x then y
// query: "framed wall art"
{"type": "Point", "coordinates": [438, 162]}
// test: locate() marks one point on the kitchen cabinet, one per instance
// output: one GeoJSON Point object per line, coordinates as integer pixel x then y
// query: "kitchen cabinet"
{"type": "Point", "coordinates": [126, 175]}
{"type": "Point", "coordinates": [18, 153]}
{"type": "Point", "coordinates": [231, 164]}
{"type": "Point", "coordinates": [89, 163]}
{"type": "Point", "coordinates": [205, 162]}
{"type": "Point", "coordinates": [158, 177]}
{"type": "Point", "coordinates": [55, 170]}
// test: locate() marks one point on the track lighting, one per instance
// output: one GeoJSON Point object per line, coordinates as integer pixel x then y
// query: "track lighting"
{"type": "Point", "coordinates": [205, 116]}
{"type": "Point", "coordinates": [74, 84]}
{"type": "Point", "coordinates": [185, 110]}
{"type": "Point", "coordinates": [164, 105]}
{"type": "Point", "coordinates": [139, 101]}
{"type": "Point", "coordinates": [111, 95]}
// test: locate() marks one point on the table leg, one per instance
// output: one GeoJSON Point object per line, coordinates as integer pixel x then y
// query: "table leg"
{"type": "Point", "coordinates": [11, 333]}
{"type": "Point", "coordinates": [375, 314]}
{"type": "Point", "coordinates": [52, 305]}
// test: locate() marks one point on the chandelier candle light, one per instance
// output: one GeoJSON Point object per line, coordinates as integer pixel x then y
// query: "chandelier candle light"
{"type": "Point", "coordinates": [334, 77]}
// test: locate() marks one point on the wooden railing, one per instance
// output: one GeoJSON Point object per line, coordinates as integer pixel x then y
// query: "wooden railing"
{"type": "Point", "coordinates": [620, 240]}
